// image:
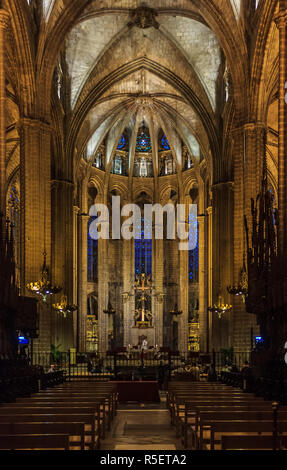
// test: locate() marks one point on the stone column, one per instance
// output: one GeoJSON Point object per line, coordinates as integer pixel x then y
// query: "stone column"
{"type": "Point", "coordinates": [62, 255]}
{"type": "Point", "coordinates": [157, 301]}
{"type": "Point", "coordinates": [249, 148]}
{"type": "Point", "coordinates": [183, 332]}
{"type": "Point", "coordinates": [209, 345]}
{"type": "Point", "coordinates": [128, 278]}
{"type": "Point", "coordinates": [4, 23]}
{"type": "Point", "coordinates": [222, 200]}
{"type": "Point", "coordinates": [82, 281]}
{"type": "Point", "coordinates": [203, 313]}
{"type": "Point", "coordinates": [76, 211]}
{"type": "Point", "coordinates": [35, 178]}
{"type": "Point", "coordinates": [103, 294]}
{"type": "Point", "coordinates": [281, 21]}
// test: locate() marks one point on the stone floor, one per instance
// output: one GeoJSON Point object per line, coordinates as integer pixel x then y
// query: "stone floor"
{"type": "Point", "coordinates": [140, 426]}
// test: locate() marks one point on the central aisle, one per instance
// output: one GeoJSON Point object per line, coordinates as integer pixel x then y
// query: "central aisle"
{"type": "Point", "coordinates": [141, 429]}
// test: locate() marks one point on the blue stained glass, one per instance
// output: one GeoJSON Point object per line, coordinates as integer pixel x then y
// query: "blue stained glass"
{"type": "Point", "coordinates": [193, 254]}
{"type": "Point", "coordinates": [122, 142]}
{"type": "Point", "coordinates": [164, 143]}
{"type": "Point", "coordinates": [143, 251]}
{"type": "Point", "coordinates": [92, 255]}
{"type": "Point", "coordinates": [143, 142]}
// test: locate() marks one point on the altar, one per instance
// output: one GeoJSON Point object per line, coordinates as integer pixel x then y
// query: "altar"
{"type": "Point", "coordinates": [148, 333]}
{"type": "Point", "coordinates": [142, 391]}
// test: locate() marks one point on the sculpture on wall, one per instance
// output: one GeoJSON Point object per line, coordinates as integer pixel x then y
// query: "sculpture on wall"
{"type": "Point", "coordinates": [144, 17]}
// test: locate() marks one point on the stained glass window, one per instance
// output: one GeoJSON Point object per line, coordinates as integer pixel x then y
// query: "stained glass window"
{"type": "Point", "coordinates": [143, 142]}
{"type": "Point", "coordinates": [122, 142]}
{"type": "Point", "coordinates": [143, 250]}
{"type": "Point", "coordinates": [164, 143]}
{"type": "Point", "coordinates": [92, 255]}
{"type": "Point", "coordinates": [193, 254]}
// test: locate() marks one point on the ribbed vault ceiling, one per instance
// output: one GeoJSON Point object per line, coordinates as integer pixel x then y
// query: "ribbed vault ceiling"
{"type": "Point", "coordinates": [156, 115]}
{"type": "Point", "coordinates": [178, 42]}
{"type": "Point", "coordinates": [122, 72]}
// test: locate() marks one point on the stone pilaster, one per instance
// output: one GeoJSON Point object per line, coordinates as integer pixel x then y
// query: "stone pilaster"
{"type": "Point", "coordinates": [4, 24]}
{"type": "Point", "coordinates": [222, 200]}
{"type": "Point", "coordinates": [209, 345]}
{"type": "Point", "coordinates": [62, 254]}
{"type": "Point", "coordinates": [35, 176]}
{"type": "Point", "coordinates": [128, 302]}
{"type": "Point", "coordinates": [103, 294]}
{"type": "Point", "coordinates": [281, 21]}
{"type": "Point", "coordinates": [35, 179]}
{"type": "Point", "coordinates": [76, 211]}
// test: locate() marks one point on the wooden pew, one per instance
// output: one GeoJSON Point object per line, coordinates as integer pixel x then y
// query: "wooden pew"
{"type": "Point", "coordinates": [103, 406]}
{"type": "Point", "coordinates": [105, 388]}
{"type": "Point", "coordinates": [109, 396]}
{"type": "Point", "coordinates": [17, 409]}
{"type": "Point", "coordinates": [233, 427]}
{"type": "Point", "coordinates": [210, 402]}
{"type": "Point", "coordinates": [184, 405]}
{"type": "Point", "coordinates": [34, 441]}
{"type": "Point", "coordinates": [70, 428]}
{"type": "Point", "coordinates": [187, 398]}
{"type": "Point", "coordinates": [251, 442]}
{"type": "Point", "coordinates": [87, 419]}
{"type": "Point", "coordinates": [193, 410]}
{"type": "Point", "coordinates": [259, 415]}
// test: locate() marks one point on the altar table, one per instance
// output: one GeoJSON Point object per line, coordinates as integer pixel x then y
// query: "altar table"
{"type": "Point", "coordinates": [143, 391]}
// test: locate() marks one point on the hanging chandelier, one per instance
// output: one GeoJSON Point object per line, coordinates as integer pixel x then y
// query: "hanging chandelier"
{"type": "Point", "coordinates": [110, 310]}
{"type": "Point", "coordinates": [242, 288]}
{"type": "Point", "coordinates": [63, 307]}
{"type": "Point", "coordinates": [43, 287]}
{"type": "Point", "coordinates": [220, 307]}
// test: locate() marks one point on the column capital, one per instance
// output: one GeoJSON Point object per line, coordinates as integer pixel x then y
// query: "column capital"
{"type": "Point", "coordinates": [249, 126]}
{"type": "Point", "coordinates": [4, 19]}
{"type": "Point", "coordinates": [252, 126]}
{"type": "Point", "coordinates": [34, 124]}
{"type": "Point", "coordinates": [281, 19]}
{"type": "Point", "coordinates": [209, 210]}
{"type": "Point", "coordinates": [76, 210]}
{"type": "Point", "coordinates": [201, 218]}
{"type": "Point", "coordinates": [84, 217]}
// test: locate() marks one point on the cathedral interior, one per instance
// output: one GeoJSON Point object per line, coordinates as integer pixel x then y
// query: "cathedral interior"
{"type": "Point", "coordinates": [163, 102]}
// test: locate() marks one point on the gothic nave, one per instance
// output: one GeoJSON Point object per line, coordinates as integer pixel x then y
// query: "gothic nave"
{"type": "Point", "coordinates": [143, 198]}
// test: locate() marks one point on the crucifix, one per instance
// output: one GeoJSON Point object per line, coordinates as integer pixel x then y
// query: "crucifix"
{"type": "Point", "coordinates": [142, 315]}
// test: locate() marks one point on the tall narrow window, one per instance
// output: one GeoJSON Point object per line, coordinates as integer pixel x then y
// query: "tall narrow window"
{"type": "Point", "coordinates": [92, 255]}
{"type": "Point", "coordinates": [122, 142]}
{"type": "Point", "coordinates": [143, 168]}
{"type": "Point", "coordinates": [193, 254]}
{"type": "Point", "coordinates": [117, 166]}
{"type": "Point", "coordinates": [164, 143]}
{"type": "Point", "coordinates": [143, 250]}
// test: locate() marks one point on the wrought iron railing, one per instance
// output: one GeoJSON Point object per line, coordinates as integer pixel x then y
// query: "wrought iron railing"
{"type": "Point", "coordinates": [137, 365]}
